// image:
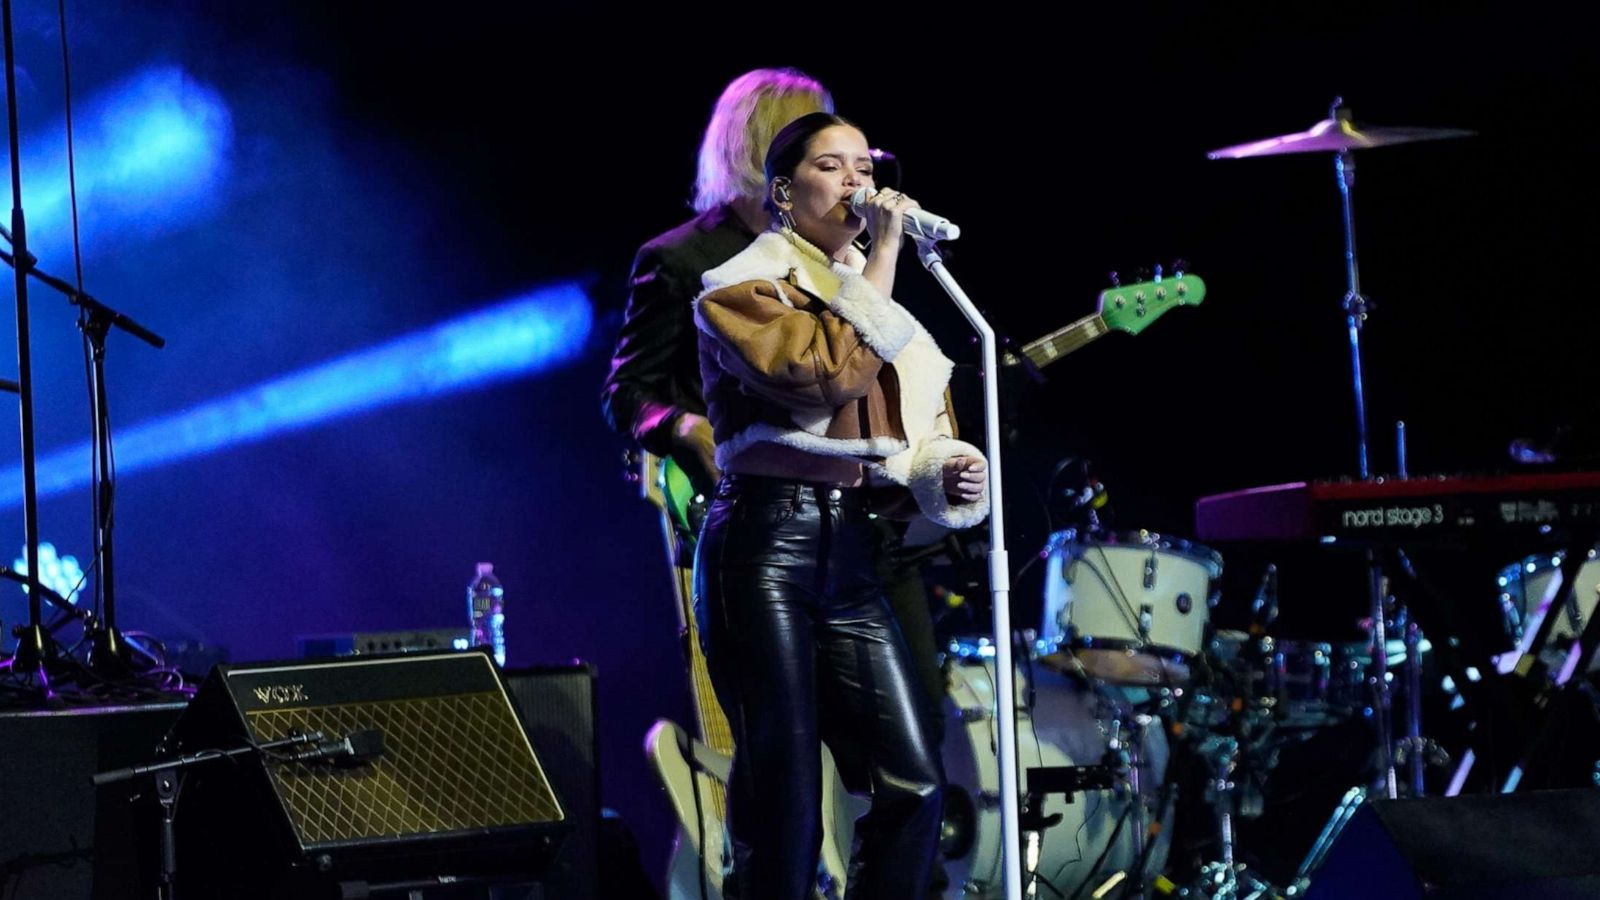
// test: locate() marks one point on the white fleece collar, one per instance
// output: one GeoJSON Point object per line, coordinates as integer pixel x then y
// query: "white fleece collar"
{"type": "Point", "coordinates": [775, 254]}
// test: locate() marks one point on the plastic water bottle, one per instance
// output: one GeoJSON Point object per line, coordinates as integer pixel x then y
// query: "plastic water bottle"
{"type": "Point", "coordinates": [486, 609]}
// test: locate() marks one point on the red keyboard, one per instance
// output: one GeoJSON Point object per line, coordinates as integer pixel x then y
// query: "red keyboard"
{"type": "Point", "coordinates": [1401, 509]}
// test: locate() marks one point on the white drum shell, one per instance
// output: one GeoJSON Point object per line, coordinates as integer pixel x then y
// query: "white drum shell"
{"type": "Point", "coordinates": [1142, 597]}
{"type": "Point", "coordinates": [1064, 728]}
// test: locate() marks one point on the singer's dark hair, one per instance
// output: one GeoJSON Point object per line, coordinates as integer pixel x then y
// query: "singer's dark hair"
{"type": "Point", "coordinates": [789, 145]}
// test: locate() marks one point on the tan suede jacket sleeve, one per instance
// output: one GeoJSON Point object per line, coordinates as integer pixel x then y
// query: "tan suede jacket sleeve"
{"type": "Point", "coordinates": [800, 358]}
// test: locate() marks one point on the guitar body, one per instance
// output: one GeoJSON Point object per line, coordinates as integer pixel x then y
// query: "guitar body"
{"type": "Point", "coordinates": [701, 834]}
{"type": "Point", "coordinates": [695, 778]}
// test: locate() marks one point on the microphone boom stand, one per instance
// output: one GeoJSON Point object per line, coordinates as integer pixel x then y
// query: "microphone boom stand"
{"type": "Point", "coordinates": [999, 572]}
{"type": "Point", "coordinates": [168, 779]}
{"type": "Point", "coordinates": [108, 652]}
{"type": "Point", "coordinates": [35, 649]}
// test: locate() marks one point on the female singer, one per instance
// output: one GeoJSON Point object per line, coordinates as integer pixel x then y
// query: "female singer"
{"type": "Point", "coordinates": [828, 405]}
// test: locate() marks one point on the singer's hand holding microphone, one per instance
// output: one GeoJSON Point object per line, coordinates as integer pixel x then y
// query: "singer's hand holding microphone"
{"type": "Point", "coordinates": [890, 214]}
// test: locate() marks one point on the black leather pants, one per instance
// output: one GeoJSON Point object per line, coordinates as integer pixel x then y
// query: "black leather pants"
{"type": "Point", "coordinates": [802, 647]}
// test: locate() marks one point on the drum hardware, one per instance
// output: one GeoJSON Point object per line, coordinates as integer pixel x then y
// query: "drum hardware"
{"type": "Point", "coordinates": [1063, 780]}
{"type": "Point", "coordinates": [1262, 694]}
{"type": "Point", "coordinates": [1125, 736]}
{"type": "Point", "coordinates": [1086, 500]}
{"type": "Point", "coordinates": [1415, 751]}
{"type": "Point", "coordinates": [1034, 822]}
{"type": "Point", "coordinates": [1140, 886]}
{"type": "Point", "coordinates": [1412, 751]}
{"type": "Point", "coordinates": [1232, 789]}
{"type": "Point", "coordinates": [1069, 780]}
{"type": "Point", "coordinates": [1352, 801]}
{"type": "Point", "coordinates": [1222, 753]}
{"type": "Point", "coordinates": [1237, 882]}
{"type": "Point", "coordinates": [1339, 135]}
{"type": "Point", "coordinates": [1264, 605]}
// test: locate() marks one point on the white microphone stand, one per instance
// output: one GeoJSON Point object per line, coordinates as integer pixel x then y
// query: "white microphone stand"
{"type": "Point", "coordinates": [999, 573]}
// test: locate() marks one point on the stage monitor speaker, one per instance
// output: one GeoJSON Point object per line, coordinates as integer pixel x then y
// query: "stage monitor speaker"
{"type": "Point", "coordinates": [61, 838]}
{"type": "Point", "coordinates": [457, 791]}
{"type": "Point", "coordinates": [559, 707]}
{"type": "Point", "coordinates": [1537, 844]}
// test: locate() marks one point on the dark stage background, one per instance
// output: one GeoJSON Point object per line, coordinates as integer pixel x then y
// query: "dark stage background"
{"type": "Point", "coordinates": [387, 169]}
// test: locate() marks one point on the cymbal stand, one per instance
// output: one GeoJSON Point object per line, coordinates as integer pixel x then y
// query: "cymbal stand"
{"type": "Point", "coordinates": [1378, 675]}
{"type": "Point", "coordinates": [1356, 309]}
{"type": "Point", "coordinates": [1356, 305]}
{"type": "Point", "coordinates": [1221, 754]}
{"type": "Point", "coordinates": [1415, 752]}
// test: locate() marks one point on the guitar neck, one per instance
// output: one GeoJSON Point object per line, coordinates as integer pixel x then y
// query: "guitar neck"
{"type": "Point", "coordinates": [1063, 341]}
{"type": "Point", "coordinates": [714, 730]}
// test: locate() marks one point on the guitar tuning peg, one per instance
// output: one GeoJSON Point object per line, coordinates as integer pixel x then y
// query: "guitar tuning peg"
{"type": "Point", "coordinates": [1158, 271]}
{"type": "Point", "coordinates": [1116, 280]}
{"type": "Point", "coordinates": [1141, 274]}
{"type": "Point", "coordinates": [1179, 266]}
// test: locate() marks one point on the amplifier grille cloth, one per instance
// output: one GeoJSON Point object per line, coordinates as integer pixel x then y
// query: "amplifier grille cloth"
{"type": "Point", "coordinates": [450, 763]}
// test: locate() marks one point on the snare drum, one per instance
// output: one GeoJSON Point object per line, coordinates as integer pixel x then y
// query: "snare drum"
{"type": "Point", "coordinates": [1131, 610]}
{"type": "Point", "coordinates": [1067, 726]}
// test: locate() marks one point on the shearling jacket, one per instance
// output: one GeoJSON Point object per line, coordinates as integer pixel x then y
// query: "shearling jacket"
{"type": "Point", "coordinates": [802, 351]}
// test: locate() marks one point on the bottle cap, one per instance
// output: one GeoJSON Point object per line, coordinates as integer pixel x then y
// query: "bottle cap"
{"type": "Point", "coordinates": [485, 568]}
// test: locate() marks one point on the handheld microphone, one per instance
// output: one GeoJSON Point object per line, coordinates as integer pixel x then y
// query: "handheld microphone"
{"type": "Point", "coordinates": [919, 223]}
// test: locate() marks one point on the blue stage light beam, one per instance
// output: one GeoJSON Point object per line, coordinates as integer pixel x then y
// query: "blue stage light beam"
{"type": "Point", "coordinates": [153, 152]}
{"type": "Point", "coordinates": [525, 336]}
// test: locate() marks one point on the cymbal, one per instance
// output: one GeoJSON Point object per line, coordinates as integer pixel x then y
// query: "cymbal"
{"type": "Point", "coordinates": [1336, 135]}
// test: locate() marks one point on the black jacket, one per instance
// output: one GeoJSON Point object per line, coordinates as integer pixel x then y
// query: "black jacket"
{"type": "Point", "coordinates": [655, 370]}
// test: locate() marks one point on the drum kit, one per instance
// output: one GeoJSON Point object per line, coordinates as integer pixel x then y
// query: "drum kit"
{"type": "Point", "coordinates": [1124, 673]}
{"type": "Point", "coordinates": [1127, 674]}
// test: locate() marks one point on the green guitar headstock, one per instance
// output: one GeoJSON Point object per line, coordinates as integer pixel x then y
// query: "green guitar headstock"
{"type": "Point", "coordinates": [1133, 307]}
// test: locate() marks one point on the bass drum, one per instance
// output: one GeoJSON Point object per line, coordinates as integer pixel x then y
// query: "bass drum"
{"type": "Point", "coordinates": [1068, 724]}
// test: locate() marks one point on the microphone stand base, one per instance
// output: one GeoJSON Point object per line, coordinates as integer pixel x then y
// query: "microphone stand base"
{"type": "Point", "coordinates": [109, 656]}
{"type": "Point", "coordinates": [35, 653]}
